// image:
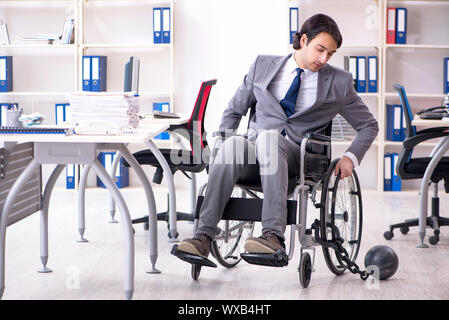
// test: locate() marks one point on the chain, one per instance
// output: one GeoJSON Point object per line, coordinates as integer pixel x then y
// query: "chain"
{"type": "Point", "coordinates": [340, 251]}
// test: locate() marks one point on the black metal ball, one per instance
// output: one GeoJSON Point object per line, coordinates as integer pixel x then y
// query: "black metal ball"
{"type": "Point", "coordinates": [385, 259]}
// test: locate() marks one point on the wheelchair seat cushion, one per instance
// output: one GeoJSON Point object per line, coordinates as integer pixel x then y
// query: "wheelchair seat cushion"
{"type": "Point", "coordinates": [257, 185]}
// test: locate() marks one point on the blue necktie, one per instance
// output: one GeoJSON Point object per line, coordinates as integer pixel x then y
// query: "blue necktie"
{"type": "Point", "coordinates": [289, 101]}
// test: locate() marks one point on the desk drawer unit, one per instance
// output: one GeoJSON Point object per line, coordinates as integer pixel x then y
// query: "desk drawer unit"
{"type": "Point", "coordinates": [13, 162]}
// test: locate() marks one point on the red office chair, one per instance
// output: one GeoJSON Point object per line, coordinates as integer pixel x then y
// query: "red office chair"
{"type": "Point", "coordinates": [194, 160]}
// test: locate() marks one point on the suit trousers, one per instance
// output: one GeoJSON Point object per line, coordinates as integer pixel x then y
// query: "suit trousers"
{"type": "Point", "coordinates": [268, 160]}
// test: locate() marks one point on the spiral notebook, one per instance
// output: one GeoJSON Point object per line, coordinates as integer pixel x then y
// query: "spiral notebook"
{"type": "Point", "coordinates": [33, 130]}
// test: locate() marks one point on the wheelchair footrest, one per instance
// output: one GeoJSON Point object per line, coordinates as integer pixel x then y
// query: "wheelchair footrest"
{"type": "Point", "coordinates": [277, 259]}
{"type": "Point", "coordinates": [192, 258]}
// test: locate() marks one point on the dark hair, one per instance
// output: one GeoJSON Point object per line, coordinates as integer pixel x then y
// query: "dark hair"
{"type": "Point", "coordinates": [314, 26]}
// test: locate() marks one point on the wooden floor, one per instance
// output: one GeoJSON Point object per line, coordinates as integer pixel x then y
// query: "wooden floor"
{"type": "Point", "coordinates": [95, 270]}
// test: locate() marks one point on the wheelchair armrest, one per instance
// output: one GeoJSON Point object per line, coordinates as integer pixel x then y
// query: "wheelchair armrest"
{"type": "Point", "coordinates": [317, 136]}
{"type": "Point", "coordinates": [437, 129]}
{"type": "Point", "coordinates": [411, 142]}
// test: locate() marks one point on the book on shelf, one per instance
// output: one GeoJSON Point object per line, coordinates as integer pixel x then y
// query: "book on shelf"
{"type": "Point", "coordinates": [4, 35]}
{"type": "Point", "coordinates": [66, 37]}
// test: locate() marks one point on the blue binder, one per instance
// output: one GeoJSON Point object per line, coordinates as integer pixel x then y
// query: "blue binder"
{"type": "Point", "coordinates": [87, 73]}
{"type": "Point", "coordinates": [361, 74]}
{"type": "Point", "coordinates": [70, 176]}
{"type": "Point", "coordinates": [401, 25]}
{"type": "Point", "coordinates": [5, 73]}
{"type": "Point", "coordinates": [372, 74]}
{"type": "Point", "coordinates": [122, 174]}
{"type": "Point", "coordinates": [396, 182]}
{"type": "Point", "coordinates": [166, 25]}
{"type": "Point", "coordinates": [446, 75]}
{"type": "Point", "coordinates": [157, 25]}
{"type": "Point", "coordinates": [294, 22]}
{"type": "Point", "coordinates": [387, 172]}
{"type": "Point", "coordinates": [394, 122]}
{"type": "Point", "coordinates": [98, 73]}
{"type": "Point", "coordinates": [162, 106]}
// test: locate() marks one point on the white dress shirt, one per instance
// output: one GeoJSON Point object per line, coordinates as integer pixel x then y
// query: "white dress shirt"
{"type": "Point", "coordinates": [307, 91]}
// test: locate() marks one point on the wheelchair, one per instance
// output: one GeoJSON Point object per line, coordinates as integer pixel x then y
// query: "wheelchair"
{"type": "Point", "coordinates": [338, 231]}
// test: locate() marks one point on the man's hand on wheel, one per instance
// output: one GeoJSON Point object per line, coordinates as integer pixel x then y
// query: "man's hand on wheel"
{"type": "Point", "coordinates": [345, 167]}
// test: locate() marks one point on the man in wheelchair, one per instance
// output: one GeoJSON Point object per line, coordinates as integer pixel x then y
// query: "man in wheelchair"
{"type": "Point", "coordinates": [292, 96]}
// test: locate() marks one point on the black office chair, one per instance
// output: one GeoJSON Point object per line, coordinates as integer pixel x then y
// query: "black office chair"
{"type": "Point", "coordinates": [414, 168]}
{"type": "Point", "coordinates": [194, 160]}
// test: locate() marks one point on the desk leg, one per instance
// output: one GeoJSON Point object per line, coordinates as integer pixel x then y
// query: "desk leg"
{"type": "Point", "coordinates": [82, 203]}
{"type": "Point", "coordinates": [171, 190]}
{"type": "Point", "coordinates": [127, 226]}
{"type": "Point", "coordinates": [44, 216]}
{"type": "Point", "coordinates": [152, 213]}
{"type": "Point", "coordinates": [114, 170]}
{"type": "Point", "coordinates": [424, 194]}
{"type": "Point", "coordinates": [9, 201]}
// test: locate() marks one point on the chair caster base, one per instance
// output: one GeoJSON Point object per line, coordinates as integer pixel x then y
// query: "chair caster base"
{"type": "Point", "coordinates": [277, 259]}
{"type": "Point", "coordinates": [191, 258]}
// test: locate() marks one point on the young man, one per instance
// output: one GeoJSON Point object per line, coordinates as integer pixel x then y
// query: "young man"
{"type": "Point", "coordinates": [293, 95]}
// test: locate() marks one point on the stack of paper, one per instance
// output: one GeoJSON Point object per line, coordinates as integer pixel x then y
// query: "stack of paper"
{"type": "Point", "coordinates": [117, 109]}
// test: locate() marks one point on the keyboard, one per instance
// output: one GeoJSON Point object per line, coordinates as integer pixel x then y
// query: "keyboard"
{"type": "Point", "coordinates": [166, 115]}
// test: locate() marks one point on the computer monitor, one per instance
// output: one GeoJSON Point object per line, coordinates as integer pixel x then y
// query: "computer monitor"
{"type": "Point", "coordinates": [131, 79]}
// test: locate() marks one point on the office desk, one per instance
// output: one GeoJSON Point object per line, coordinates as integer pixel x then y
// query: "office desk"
{"type": "Point", "coordinates": [80, 149]}
{"type": "Point", "coordinates": [437, 153]}
{"type": "Point", "coordinates": [147, 122]}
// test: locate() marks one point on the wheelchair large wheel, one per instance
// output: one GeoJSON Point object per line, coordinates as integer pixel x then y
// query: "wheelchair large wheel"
{"type": "Point", "coordinates": [230, 241]}
{"type": "Point", "coordinates": [341, 207]}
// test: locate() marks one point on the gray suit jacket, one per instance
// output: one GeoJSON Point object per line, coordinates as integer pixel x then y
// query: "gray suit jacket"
{"type": "Point", "coordinates": [335, 95]}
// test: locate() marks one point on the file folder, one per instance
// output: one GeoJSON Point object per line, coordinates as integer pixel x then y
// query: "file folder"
{"type": "Point", "coordinates": [351, 66]}
{"type": "Point", "coordinates": [165, 107]}
{"type": "Point", "coordinates": [157, 25]}
{"type": "Point", "coordinates": [3, 108]}
{"type": "Point", "coordinates": [60, 113]}
{"type": "Point", "coordinates": [98, 73]}
{"type": "Point", "coordinates": [361, 74]}
{"type": "Point", "coordinates": [294, 23]}
{"type": "Point", "coordinates": [394, 120]}
{"type": "Point", "coordinates": [122, 174]}
{"type": "Point", "coordinates": [87, 83]}
{"type": "Point", "coordinates": [396, 182]}
{"type": "Point", "coordinates": [387, 172]}
{"type": "Point", "coordinates": [401, 25]}
{"type": "Point", "coordinates": [446, 75]}
{"type": "Point", "coordinates": [70, 176]}
{"type": "Point", "coordinates": [391, 25]}
{"type": "Point", "coordinates": [5, 73]}
{"type": "Point", "coordinates": [372, 74]}
{"type": "Point", "coordinates": [166, 25]}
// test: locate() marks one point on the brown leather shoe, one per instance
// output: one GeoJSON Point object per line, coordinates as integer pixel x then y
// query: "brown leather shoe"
{"type": "Point", "coordinates": [199, 245]}
{"type": "Point", "coordinates": [268, 242]}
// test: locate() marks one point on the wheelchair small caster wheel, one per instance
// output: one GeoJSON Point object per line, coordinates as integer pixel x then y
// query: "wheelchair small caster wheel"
{"type": "Point", "coordinates": [305, 270]}
{"type": "Point", "coordinates": [171, 237]}
{"type": "Point", "coordinates": [196, 269]}
{"type": "Point", "coordinates": [433, 240]}
{"type": "Point", "coordinates": [146, 226]}
{"type": "Point", "coordinates": [404, 230]}
{"type": "Point", "coordinates": [388, 235]}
